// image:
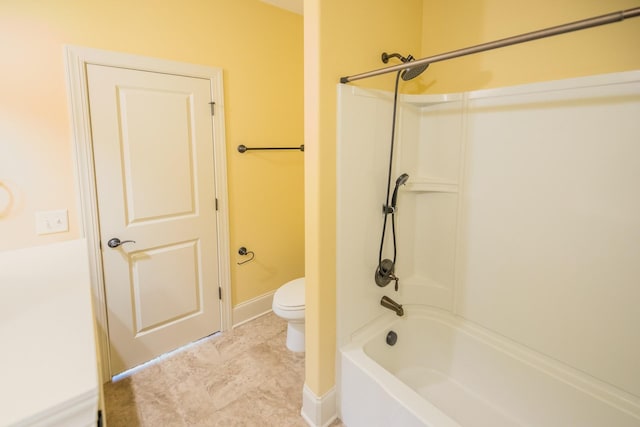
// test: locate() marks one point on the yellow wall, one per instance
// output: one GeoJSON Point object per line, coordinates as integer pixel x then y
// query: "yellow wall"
{"type": "Point", "coordinates": [258, 46]}
{"type": "Point", "coordinates": [344, 38]}
{"type": "Point", "coordinates": [341, 38]}
{"type": "Point", "coordinates": [455, 24]}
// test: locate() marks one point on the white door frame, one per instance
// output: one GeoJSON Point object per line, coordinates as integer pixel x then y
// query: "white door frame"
{"type": "Point", "coordinates": [76, 60]}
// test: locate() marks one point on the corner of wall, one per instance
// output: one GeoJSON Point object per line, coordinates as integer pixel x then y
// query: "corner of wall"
{"type": "Point", "coordinates": [318, 411]}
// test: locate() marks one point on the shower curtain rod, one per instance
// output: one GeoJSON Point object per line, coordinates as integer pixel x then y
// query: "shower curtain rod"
{"type": "Point", "coordinates": [609, 18]}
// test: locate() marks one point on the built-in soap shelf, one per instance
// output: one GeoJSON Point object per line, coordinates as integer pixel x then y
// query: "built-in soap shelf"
{"type": "Point", "coordinates": [431, 186]}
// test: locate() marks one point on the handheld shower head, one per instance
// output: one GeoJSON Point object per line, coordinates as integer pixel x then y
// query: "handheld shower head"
{"type": "Point", "coordinates": [409, 73]}
{"type": "Point", "coordinates": [402, 180]}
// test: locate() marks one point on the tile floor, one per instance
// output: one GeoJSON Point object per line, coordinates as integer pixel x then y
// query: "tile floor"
{"type": "Point", "coordinates": [244, 377]}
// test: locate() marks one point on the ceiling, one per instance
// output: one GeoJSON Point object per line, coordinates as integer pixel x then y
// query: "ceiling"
{"type": "Point", "coordinates": [294, 6]}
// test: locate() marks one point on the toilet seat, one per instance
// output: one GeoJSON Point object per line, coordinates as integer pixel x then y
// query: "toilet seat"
{"type": "Point", "coordinates": [288, 301]}
{"type": "Point", "coordinates": [290, 296]}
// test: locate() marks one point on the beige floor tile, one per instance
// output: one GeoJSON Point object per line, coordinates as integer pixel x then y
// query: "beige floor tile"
{"type": "Point", "coordinates": [244, 377]}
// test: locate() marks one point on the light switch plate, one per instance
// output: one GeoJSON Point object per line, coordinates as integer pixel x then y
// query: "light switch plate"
{"type": "Point", "coordinates": [48, 222]}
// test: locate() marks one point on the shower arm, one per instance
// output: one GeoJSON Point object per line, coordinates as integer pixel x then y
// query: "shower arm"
{"type": "Point", "coordinates": [608, 18]}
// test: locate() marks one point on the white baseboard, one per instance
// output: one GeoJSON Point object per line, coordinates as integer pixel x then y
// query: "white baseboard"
{"type": "Point", "coordinates": [318, 411]}
{"type": "Point", "coordinates": [253, 308]}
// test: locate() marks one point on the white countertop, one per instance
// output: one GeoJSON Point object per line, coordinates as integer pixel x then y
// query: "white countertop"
{"type": "Point", "coordinates": [48, 365]}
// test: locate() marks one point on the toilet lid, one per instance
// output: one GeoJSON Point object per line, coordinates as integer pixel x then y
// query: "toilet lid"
{"type": "Point", "coordinates": [291, 294]}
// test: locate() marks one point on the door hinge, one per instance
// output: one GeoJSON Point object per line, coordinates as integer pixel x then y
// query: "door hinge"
{"type": "Point", "coordinates": [212, 104]}
{"type": "Point", "coordinates": [216, 203]}
{"type": "Point", "coordinates": [220, 293]}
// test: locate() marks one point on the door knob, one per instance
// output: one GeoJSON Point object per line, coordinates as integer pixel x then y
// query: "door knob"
{"type": "Point", "coordinates": [115, 242]}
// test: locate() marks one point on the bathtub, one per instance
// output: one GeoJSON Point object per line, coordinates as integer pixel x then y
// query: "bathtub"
{"type": "Point", "coordinates": [444, 371]}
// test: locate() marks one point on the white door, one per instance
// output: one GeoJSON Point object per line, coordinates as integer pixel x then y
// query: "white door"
{"type": "Point", "coordinates": [153, 152]}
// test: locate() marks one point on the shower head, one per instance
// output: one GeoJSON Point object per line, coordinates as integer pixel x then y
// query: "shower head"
{"type": "Point", "coordinates": [413, 72]}
{"type": "Point", "coordinates": [402, 180]}
{"type": "Point", "coordinates": [409, 73]}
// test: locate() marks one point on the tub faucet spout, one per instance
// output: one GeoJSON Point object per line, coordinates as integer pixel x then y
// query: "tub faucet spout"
{"type": "Point", "coordinates": [387, 302]}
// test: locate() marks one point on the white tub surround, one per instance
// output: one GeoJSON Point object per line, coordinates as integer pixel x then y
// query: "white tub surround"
{"type": "Point", "coordinates": [444, 371]}
{"type": "Point", "coordinates": [48, 362]}
{"type": "Point", "coordinates": [521, 223]}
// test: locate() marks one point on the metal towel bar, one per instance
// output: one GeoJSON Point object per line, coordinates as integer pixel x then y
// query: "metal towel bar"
{"type": "Point", "coordinates": [243, 148]}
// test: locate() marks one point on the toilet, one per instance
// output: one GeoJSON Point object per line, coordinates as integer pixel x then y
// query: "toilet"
{"type": "Point", "coordinates": [288, 303]}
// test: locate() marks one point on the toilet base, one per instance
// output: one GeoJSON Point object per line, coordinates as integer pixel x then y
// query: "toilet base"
{"type": "Point", "coordinates": [295, 336]}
